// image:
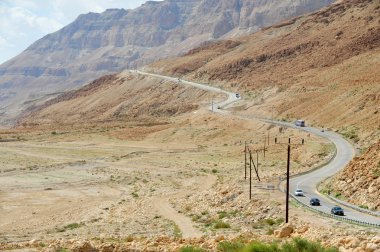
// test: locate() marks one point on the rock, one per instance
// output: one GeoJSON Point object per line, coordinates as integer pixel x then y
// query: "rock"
{"type": "Point", "coordinates": [376, 239]}
{"type": "Point", "coordinates": [107, 248]}
{"type": "Point", "coordinates": [372, 247]}
{"type": "Point", "coordinates": [219, 238]}
{"type": "Point", "coordinates": [83, 246]}
{"type": "Point", "coordinates": [353, 242]}
{"type": "Point", "coordinates": [284, 231]}
{"type": "Point", "coordinates": [33, 243]}
{"type": "Point", "coordinates": [302, 229]}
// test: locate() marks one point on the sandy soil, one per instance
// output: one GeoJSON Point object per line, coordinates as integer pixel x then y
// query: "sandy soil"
{"type": "Point", "coordinates": [102, 184]}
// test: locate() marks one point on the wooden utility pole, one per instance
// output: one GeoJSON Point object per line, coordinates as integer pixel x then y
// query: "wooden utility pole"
{"type": "Point", "coordinates": [250, 176]}
{"type": "Point", "coordinates": [288, 175]}
{"type": "Point", "coordinates": [245, 161]}
{"type": "Point", "coordinates": [287, 184]}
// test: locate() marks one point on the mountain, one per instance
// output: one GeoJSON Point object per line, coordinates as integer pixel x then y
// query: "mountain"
{"type": "Point", "coordinates": [97, 44]}
{"type": "Point", "coordinates": [322, 67]}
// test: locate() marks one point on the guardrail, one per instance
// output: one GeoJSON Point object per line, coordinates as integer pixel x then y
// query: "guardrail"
{"type": "Point", "coordinates": [344, 203]}
{"type": "Point", "coordinates": [362, 223]}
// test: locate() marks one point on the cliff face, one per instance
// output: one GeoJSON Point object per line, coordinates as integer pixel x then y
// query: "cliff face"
{"type": "Point", "coordinates": [97, 44]}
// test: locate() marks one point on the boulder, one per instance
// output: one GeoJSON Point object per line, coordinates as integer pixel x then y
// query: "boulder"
{"type": "Point", "coordinates": [284, 231]}
{"type": "Point", "coordinates": [83, 246]}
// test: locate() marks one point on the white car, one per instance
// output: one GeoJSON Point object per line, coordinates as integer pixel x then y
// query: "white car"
{"type": "Point", "coordinates": [298, 192]}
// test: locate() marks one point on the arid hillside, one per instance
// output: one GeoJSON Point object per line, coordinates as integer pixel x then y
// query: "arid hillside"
{"type": "Point", "coordinates": [360, 181]}
{"type": "Point", "coordinates": [323, 67]}
{"type": "Point", "coordinates": [111, 99]}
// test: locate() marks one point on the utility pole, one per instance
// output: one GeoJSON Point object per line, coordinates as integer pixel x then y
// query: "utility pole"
{"type": "Point", "coordinates": [265, 141]}
{"type": "Point", "coordinates": [287, 184]}
{"type": "Point", "coordinates": [288, 175]}
{"type": "Point", "coordinates": [245, 161]}
{"type": "Point", "coordinates": [250, 176]}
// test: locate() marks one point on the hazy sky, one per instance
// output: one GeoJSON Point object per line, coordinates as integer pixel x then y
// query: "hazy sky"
{"type": "Point", "coordinates": [24, 21]}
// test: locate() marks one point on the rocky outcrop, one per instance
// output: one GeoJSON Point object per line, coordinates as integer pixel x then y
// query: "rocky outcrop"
{"type": "Point", "coordinates": [100, 43]}
{"type": "Point", "coordinates": [359, 182]}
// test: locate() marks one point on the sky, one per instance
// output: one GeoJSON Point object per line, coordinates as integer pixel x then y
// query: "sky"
{"type": "Point", "coordinates": [22, 22]}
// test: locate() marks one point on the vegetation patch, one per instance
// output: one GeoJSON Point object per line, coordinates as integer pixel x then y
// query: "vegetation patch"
{"type": "Point", "coordinates": [191, 249]}
{"type": "Point", "coordinates": [221, 224]}
{"type": "Point", "coordinates": [350, 132]}
{"type": "Point", "coordinates": [265, 223]}
{"type": "Point", "coordinates": [70, 226]}
{"type": "Point", "coordinates": [296, 245]}
{"type": "Point", "coordinates": [226, 246]}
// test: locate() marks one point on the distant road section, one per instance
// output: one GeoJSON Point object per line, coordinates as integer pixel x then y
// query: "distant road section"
{"type": "Point", "coordinates": [231, 97]}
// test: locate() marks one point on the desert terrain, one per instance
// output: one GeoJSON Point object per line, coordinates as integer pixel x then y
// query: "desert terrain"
{"type": "Point", "coordinates": [158, 186]}
{"type": "Point", "coordinates": [137, 163]}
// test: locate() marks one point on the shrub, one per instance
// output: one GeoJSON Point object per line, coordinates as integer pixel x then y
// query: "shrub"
{"type": "Point", "coordinates": [261, 247]}
{"type": "Point", "coordinates": [214, 170]}
{"type": "Point", "coordinates": [220, 224]}
{"type": "Point", "coordinates": [227, 246]}
{"type": "Point", "coordinates": [191, 249]}
{"type": "Point", "coordinates": [270, 222]}
{"type": "Point", "coordinates": [135, 195]}
{"type": "Point", "coordinates": [222, 214]}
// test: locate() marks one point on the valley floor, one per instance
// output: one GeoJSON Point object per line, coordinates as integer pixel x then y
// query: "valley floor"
{"type": "Point", "coordinates": [184, 180]}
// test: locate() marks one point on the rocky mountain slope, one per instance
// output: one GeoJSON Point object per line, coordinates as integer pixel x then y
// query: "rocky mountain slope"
{"type": "Point", "coordinates": [97, 44]}
{"type": "Point", "coordinates": [115, 99]}
{"type": "Point", "coordinates": [322, 67]}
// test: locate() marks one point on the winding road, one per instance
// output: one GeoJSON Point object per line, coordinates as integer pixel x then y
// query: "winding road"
{"type": "Point", "coordinates": [307, 182]}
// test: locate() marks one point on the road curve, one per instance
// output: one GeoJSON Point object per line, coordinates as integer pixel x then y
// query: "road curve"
{"type": "Point", "coordinates": [217, 107]}
{"type": "Point", "coordinates": [307, 182]}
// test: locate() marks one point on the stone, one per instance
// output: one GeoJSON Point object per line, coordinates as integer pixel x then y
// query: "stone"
{"type": "Point", "coordinates": [372, 247]}
{"type": "Point", "coordinates": [284, 231]}
{"type": "Point", "coordinates": [83, 246]}
{"type": "Point", "coordinates": [219, 238]}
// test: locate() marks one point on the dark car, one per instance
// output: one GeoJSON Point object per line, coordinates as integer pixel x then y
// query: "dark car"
{"type": "Point", "coordinates": [337, 211]}
{"type": "Point", "coordinates": [315, 202]}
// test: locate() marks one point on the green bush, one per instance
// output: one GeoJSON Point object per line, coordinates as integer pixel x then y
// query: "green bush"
{"type": "Point", "coordinates": [297, 245]}
{"type": "Point", "coordinates": [222, 214]}
{"type": "Point", "coordinates": [191, 249]}
{"type": "Point", "coordinates": [220, 224]}
{"type": "Point", "coordinates": [227, 246]}
{"type": "Point", "coordinates": [270, 222]}
{"type": "Point", "coordinates": [261, 247]}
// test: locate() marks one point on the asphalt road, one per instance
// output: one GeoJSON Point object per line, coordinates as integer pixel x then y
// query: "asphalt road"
{"type": "Point", "coordinates": [307, 182]}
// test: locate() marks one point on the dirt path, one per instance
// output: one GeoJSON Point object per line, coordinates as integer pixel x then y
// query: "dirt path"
{"type": "Point", "coordinates": [183, 222]}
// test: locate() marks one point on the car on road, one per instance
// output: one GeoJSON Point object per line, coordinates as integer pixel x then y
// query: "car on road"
{"type": "Point", "coordinates": [337, 210]}
{"type": "Point", "coordinates": [237, 95]}
{"type": "Point", "coordinates": [299, 192]}
{"type": "Point", "coordinates": [315, 202]}
{"type": "Point", "coordinates": [300, 123]}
